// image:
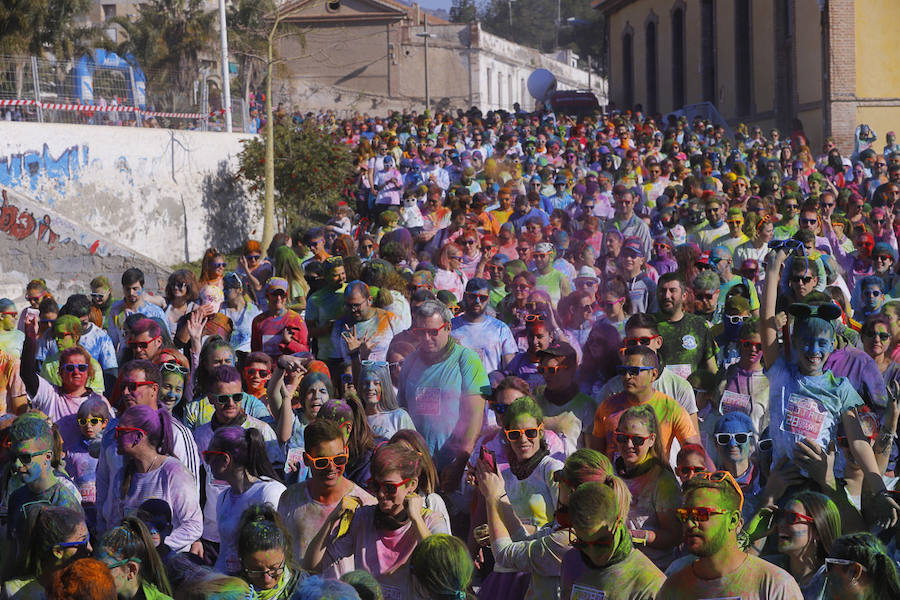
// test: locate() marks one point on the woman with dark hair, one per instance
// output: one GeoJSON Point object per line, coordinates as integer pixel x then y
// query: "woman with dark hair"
{"type": "Point", "coordinates": [859, 568]}
{"type": "Point", "coordinates": [129, 554]}
{"type": "Point", "coordinates": [807, 527]}
{"type": "Point", "coordinates": [300, 401]}
{"type": "Point", "coordinates": [238, 457]}
{"type": "Point", "coordinates": [212, 268]}
{"type": "Point", "coordinates": [380, 538]}
{"type": "Point", "coordinates": [876, 341]}
{"type": "Point", "coordinates": [264, 549]}
{"type": "Point", "coordinates": [441, 569]}
{"type": "Point", "coordinates": [54, 536]}
{"type": "Point", "coordinates": [144, 439]}
{"type": "Point", "coordinates": [181, 294]}
{"type": "Point", "coordinates": [351, 418]}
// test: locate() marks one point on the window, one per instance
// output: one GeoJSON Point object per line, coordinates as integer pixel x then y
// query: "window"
{"type": "Point", "coordinates": [708, 49]}
{"type": "Point", "coordinates": [742, 57]}
{"type": "Point", "coordinates": [628, 68]}
{"type": "Point", "coordinates": [650, 67]}
{"type": "Point", "coordinates": [109, 11]}
{"type": "Point", "coordinates": [678, 58]}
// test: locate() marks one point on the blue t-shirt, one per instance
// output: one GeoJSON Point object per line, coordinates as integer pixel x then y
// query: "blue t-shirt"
{"type": "Point", "coordinates": [805, 406]}
{"type": "Point", "coordinates": [431, 393]}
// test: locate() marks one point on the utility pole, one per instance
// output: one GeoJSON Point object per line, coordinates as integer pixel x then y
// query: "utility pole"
{"type": "Point", "coordinates": [426, 35]}
{"type": "Point", "coordinates": [226, 85]}
{"type": "Point", "coordinates": [558, 22]}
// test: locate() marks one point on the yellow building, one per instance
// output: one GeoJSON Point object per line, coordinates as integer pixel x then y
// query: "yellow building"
{"type": "Point", "coordinates": [832, 64]}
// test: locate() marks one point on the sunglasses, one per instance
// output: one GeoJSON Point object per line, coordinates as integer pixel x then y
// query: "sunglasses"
{"type": "Point", "coordinates": [719, 476]}
{"type": "Point", "coordinates": [751, 345]}
{"type": "Point", "coordinates": [801, 279]}
{"type": "Point", "coordinates": [790, 517]}
{"type": "Point", "coordinates": [251, 372]}
{"type": "Point", "coordinates": [534, 318]}
{"type": "Point", "coordinates": [605, 541]}
{"type": "Point", "coordinates": [635, 440]}
{"type": "Point", "coordinates": [881, 335]}
{"type": "Point", "coordinates": [551, 369]}
{"type": "Point", "coordinates": [25, 457]}
{"type": "Point", "coordinates": [698, 514]}
{"type": "Point", "coordinates": [122, 430]}
{"type": "Point", "coordinates": [321, 462]}
{"type": "Point", "coordinates": [132, 386]}
{"type": "Point", "coordinates": [142, 345]}
{"type": "Point", "coordinates": [832, 563]}
{"type": "Point", "coordinates": [92, 420]}
{"type": "Point", "coordinates": [430, 331]}
{"type": "Point", "coordinates": [454, 257]}
{"type": "Point", "coordinates": [388, 487]}
{"type": "Point", "coordinates": [76, 544]}
{"type": "Point", "coordinates": [704, 296]}
{"type": "Point", "coordinates": [71, 368]}
{"type": "Point", "coordinates": [218, 265]}
{"type": "Point", "coordinates": [765, 444]}
{"type": "Point", "coordinates": [252, 256]}
{"type": "Point", "coordinates": [174, 367]}
{"type": "Point", "coordinates": [516, 434]}
{"type": "Point", "coordinates": [690, 471]}
{"type": "Point", "coordinates": [735, 319]}
{"type": "Point", "coordinates": [631, 370]}
{"type": "Point", "coordinates": [477, 297]}
{"type": "Point", "coordinates": [222, 399]}
{"type": "Point", "coordinates": [208, 454]}
{"type": "Point", "coordinates": [277, 293]}
{"type": "Point", "coordinates": [498, 407]}
{"type": "Point", "coordinates": [97, 296]}
{"type": "Point", "coordinates": [10, 313]}
{"type": "Point", "coordinates": [639, 341]}
{"type": "Point", "coordinates": [273, 572]}
{"type": "Point", "coordinates": [724, 439]}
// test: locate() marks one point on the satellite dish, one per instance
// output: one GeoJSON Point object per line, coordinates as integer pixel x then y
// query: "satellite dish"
{"type": "Point", "coordinates": [541, 84]}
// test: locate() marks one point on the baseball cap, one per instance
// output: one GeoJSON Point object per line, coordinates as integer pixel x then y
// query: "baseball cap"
{"type": "Point", "coordinates": [634, 245]}
{"type": "Point", "coordinates": [562, 349]}
{"type": "Point", "coordinates": [880, 249]}
{"type": "Point", "coordinates": [277, 283]}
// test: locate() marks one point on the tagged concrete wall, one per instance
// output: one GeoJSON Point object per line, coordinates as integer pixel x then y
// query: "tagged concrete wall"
{"type": "Point", "coordinates": [163, 194]}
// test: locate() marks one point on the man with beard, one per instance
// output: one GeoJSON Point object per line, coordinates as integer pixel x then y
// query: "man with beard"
{"type": "Point", "coordinates": [712, 520]}
{"type": "Point", "coordinates": [489, 337]}
{"type": "Point", "coordinates": [687, 343]}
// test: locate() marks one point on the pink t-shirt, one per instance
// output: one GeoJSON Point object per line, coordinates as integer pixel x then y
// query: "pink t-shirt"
{"type": "Point", "coordinates": [384, 554]}
{"type": "Point", "coordinates": [56, 404]}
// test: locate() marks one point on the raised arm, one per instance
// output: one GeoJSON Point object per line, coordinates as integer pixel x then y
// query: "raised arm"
{"type": "Point", "coordinates": [768, 330]}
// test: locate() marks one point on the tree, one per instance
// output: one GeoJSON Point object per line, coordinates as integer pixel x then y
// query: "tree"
{"type": "Point", "coordinates": [463, 11]}
{"type": "Point", "coordinates": [311, 167]}
{"type": "Point", "coordinates": [38, 26]}
{"type": "Point", "coordinates": [168, 39]}
{"type": "Point", "coordinates": [248, 32]}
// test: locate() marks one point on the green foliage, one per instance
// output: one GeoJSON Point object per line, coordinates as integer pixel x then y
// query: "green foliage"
{"type": "Point", "coordinates": [463, 11]}
{"type": "Point", "coordinates": [312, 167]}
{"type": "Point", "coordinates": [167, 38]}
{"type": "Point", "coordinates": [37, 27]}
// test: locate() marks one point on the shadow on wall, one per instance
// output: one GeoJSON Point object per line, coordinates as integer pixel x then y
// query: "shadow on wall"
{"type": "Point", "coordinates": [230, 212]}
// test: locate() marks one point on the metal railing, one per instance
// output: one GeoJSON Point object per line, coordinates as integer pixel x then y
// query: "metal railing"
{"type": "Point", "coordinates": [104, 89]}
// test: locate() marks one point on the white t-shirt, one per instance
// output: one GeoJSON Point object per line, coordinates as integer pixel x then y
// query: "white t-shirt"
{"type": "Point", "coordinates": [229, 508]}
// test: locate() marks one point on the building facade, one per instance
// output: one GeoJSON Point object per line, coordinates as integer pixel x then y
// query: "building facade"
{"type": "Point", "coordinates": [370, 56]}
{"type": "Point", "coordinates": [831, 64]}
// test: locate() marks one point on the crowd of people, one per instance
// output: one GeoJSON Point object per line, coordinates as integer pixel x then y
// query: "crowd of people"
{"type": "Point", "coordinates": [530, 356]}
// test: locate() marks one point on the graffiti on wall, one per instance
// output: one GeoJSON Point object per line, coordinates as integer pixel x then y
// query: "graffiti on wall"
{"type": "Point", "coordinates": [31, 165]}
{"type": "Point", "coordinates": [20, 224]}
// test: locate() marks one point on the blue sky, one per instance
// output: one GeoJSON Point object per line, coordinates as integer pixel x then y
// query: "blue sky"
{"type": "Point", "coordinates": [435, 4]}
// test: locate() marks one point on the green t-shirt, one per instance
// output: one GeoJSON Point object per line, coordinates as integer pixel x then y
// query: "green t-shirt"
{"type": "Point", "coordinates": [553, 283]}
{"type": "Point", "coordinates": [687, 344]}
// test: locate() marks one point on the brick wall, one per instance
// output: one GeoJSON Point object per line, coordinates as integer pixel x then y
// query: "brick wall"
{"type": "Point", "coordinates": [841, 97]}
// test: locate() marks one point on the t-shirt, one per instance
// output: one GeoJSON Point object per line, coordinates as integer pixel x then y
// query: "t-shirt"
{"type": "Point", "coordinates": [674, 422]}
{"type": "Point", "coordinates": [229, 509]}
{"type": "Point", "coordinates": [11, 384]}
{"type": "Point", "coordinates": [170, 482]}
{"type": "Point", "coordinates": [654, 492]}
{"type": "Point", "coordinates": [804, 406]}
{"type": "Point", "coordinates": [118, 313]}
{"type": "Point", "coordinates": [304, 517]}
{"type": "Point", "coordinates": [755, 579]}
{"type": "Point", "coordinates": [633, 578]}
{"type": "Point", "coordinates": [381, 327]}
{"type": "Point", "coordinates": [746, 392]}
{"type": "Point", "coordinates": [242, 323]}
{"type": "Point", "coordinates": [199, 412]}
{"type": "Point", "coordinates": [384, 554]}
{"type": "Point", "coordinates": [669, 383]}
{"type": "Point", "coordinates": [386, 424]}
{"type": "Point", "coordinates": [554, 283]}
{"type": "Point", "coordinates": [56, 404]}
{"type": "Point", "coordinates": [432, 393]}
{"type": "Point", "coordinates": [687, 343]}
{"type": "Point", "coordinates": [490, 338]}
{"type": "Point", "coordinates": [58, 494]}
{"type": "Point", "coordinates": [266, 332]}
{"type": "Point", "coordinates": [322, 306]}
{"type": "Point", "coordinates": [580, 405]}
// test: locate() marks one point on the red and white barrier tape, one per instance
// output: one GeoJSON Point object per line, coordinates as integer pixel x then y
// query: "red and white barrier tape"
{"type": "Point", "coordinates": [111, 108]}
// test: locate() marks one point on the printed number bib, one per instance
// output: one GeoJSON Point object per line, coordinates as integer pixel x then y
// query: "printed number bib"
{"type": "Point", "coordinates": [295, 457]}
{"type": "Point", "coordinates": [583, 592]}
{"type": "Point", "coordinates": [680, 370]}
{"type": "Point", "coordinates": [391, 592]}
{"type": "Point", "coordinates": [428, 402]}
{"type": "Point", "coordinates": [804, 417]}
{"type": "Point", "coordinates": [735, 402]}
{"type": "Point", "coordinates": [88, 491]}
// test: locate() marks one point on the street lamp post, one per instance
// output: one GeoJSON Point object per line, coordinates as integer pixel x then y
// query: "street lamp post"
{"type": "Point", "coordinates": [226, 85]}
{"type": "Point", "coordinates": [425, 35]}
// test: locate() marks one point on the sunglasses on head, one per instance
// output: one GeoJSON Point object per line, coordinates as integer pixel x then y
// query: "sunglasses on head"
{"type": "Point", "coordinates": [222, 399]}
{"type": "Point", "coordinates": [388, 487]}
{"type": "Point", "coordinates": [91, 420]}
{"type": "Point", "coordinates": [719, 476]}
{"type": "Point", "coordinates": [72, 367]}
{"type": "Point", "coordinates": [321, 462]}
{"type": "Point", "coordinates": [174, 367]}
{"type": "Point", "coordinates": [516, 434]}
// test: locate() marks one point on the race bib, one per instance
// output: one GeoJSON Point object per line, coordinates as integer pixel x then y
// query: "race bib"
{"type": "Point", "coordinates": [680, 370]}
{"type": "Point", "coordinates": [428, 402]}
{"type": "Point", "coordinates": [804, 417]}
{"type": "Point", "coordinates": [88, 491]}
{"type": "Point", "coordinates": [391, 592]}
{"type": "Point", "coordinates": [584, 592]}
{"type": "Point", "coordinates": [295, 457]}
{"type": "Point", "coordinates": [735, 402]}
